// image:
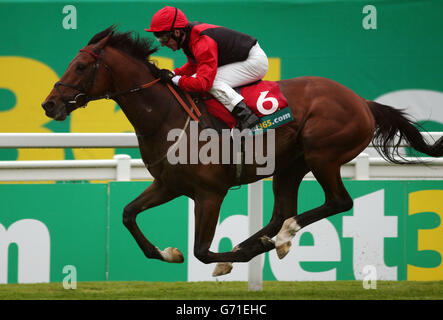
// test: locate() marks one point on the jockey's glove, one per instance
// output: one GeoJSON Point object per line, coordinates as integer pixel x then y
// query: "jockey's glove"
{"type": "Point", "coordinates": [166, 75]}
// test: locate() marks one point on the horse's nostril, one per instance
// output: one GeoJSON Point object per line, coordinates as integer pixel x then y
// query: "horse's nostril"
{"type": "Point", "coordinates": [48, 105]}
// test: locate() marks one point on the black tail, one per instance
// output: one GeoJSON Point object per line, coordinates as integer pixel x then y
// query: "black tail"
{"type": "Point", "coordinates": [393, 127]}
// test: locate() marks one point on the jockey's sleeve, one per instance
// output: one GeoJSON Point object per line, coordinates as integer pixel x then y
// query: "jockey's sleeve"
{"type": "Point", "coordinates": [206, 56]}
{"type": "Point", "coordinates": [188, 69]}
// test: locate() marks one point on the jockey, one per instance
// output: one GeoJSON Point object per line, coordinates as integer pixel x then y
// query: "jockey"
{"type": "Point", "coordinates": [219, 59]}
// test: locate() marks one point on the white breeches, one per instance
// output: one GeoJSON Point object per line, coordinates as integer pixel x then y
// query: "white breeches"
{"type": "Point", "coordinates": [238, 74]}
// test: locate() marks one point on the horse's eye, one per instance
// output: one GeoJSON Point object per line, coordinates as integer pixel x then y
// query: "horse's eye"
{"type": "Point", "coordinates": [81, 67]}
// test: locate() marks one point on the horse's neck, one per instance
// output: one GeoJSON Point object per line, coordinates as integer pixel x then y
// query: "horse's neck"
{"type": "Point", "coordinates": [152, 111]}
{"type": "Point", "coordinates": [141, 107]}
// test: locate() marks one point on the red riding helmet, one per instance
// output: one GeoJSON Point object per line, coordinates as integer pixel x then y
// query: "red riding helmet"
{"type": "Point", "coordinates": [167, 19]}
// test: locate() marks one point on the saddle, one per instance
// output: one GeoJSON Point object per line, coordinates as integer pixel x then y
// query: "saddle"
{"type": "Point", "coordinates": [264, 98]}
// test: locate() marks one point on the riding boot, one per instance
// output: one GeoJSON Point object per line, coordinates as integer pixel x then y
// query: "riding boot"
{"type": "Point", "coordinates": [244, 116]}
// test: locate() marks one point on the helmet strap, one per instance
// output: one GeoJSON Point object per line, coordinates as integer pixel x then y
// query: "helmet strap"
{"type": "Point", "coordinates": [173, 21]}
{"type": "Point", "coordinates": [182, 33]}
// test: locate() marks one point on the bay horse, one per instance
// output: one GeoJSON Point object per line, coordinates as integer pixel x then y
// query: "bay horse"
{"type": "Point", "coordinates": [331, 126]}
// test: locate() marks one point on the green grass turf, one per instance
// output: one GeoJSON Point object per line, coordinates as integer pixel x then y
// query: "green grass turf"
{"type": "Point", "coordinates": [272, 290]}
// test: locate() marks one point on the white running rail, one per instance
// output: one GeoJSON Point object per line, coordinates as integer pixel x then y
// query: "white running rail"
{"type": "Point", "coordinates": [93, 140]}
{"type": "Point", "coordinates": [122, 168]}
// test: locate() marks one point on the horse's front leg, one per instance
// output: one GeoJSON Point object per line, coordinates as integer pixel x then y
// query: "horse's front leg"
{"type": "Point", "coordinates": [156, 194]}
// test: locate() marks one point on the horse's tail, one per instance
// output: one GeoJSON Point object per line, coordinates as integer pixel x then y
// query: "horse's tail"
{"type": "Point", "coordinates": [393, 127]}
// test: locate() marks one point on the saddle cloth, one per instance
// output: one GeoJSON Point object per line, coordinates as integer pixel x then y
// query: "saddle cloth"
{"type": "Point", "coordinates": [262, 97]}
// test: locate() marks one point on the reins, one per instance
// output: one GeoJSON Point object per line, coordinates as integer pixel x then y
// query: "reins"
{"type": "Point", "coordinates": [184, 105]}
{"type": "Point", "coordinates": [123, 92]}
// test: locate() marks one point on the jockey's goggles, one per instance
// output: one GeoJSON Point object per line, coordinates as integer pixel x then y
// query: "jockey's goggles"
{"type": "Point", "coordinates": [163, 37]}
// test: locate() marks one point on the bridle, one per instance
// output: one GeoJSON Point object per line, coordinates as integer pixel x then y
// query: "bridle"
{"type": "Point", "coordinates": [85, 89]}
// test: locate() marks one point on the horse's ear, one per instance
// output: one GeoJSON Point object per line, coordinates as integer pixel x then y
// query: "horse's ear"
{"type": "Point", "coordinates": [102, 43]}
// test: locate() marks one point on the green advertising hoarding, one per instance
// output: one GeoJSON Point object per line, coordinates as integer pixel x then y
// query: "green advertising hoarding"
{"type": "Point", "coordinates": [393, 229]}
{"type": "Point", "coordinates": [386, 49]}
{"type": "Point", "coordinates": [44, 228]}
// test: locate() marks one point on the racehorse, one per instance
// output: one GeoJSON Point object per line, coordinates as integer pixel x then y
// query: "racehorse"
{"type": "Point", "coordinates": [331, 126]}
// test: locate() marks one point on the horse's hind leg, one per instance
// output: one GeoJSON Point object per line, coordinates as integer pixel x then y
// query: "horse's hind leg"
{"type": "Point", "coordinates": [156, 194]}
{"type": "Point", "coordinates": [337, 200]}
{"type": "Point", "coordinates": [207, 209]}
{"type": "Point", "coordinates": [285, 186]}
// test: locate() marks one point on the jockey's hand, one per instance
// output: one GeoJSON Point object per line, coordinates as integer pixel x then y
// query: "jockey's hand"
{"type": "Point", "coordinates": [166, 75]}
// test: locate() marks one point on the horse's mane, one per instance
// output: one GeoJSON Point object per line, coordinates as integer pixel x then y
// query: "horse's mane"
{"type": "Point", "coordinates": [130, 43]}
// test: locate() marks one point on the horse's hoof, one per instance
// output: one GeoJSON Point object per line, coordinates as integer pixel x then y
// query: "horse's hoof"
{"type": "Point", "coordinates": [283, 249]}
{"type": "Point", "coordinates": [222, 268]}
{"type": "Point", "coordinates": [284, 237]}
{"type": "Point", "coordinates": [172, 255]}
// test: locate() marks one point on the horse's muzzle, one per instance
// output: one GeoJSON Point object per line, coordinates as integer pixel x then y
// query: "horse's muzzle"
{"type": "Point", "coordinates": [49, 107]}
{"type": "Point", "coordinates": [53, 112]}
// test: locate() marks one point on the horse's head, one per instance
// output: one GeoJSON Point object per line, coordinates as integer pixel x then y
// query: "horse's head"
{"type": "Point", "coordinates": [83, 80]}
